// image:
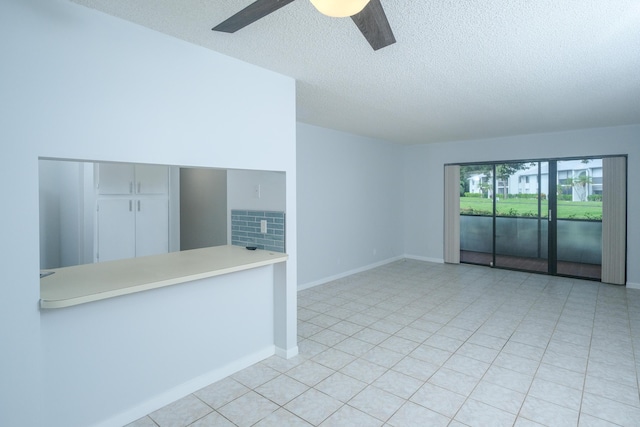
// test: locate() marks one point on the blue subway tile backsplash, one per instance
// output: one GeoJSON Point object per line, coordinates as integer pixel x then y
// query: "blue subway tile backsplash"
{"type": "Point", "coordinates": [245, 229]}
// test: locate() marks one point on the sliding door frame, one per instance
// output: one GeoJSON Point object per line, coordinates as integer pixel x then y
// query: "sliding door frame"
{"type": "Point", "coordinates": [552, 208]}
{"type": "Point", "coordinates": [552, 217]}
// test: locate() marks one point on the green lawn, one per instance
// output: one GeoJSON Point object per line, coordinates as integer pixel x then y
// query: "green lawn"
{"type": "Point", "coordinates": [529, 207]}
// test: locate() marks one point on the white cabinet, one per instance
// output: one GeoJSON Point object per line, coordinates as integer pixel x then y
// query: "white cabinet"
{"type": "Point", "coordinates": [151, 179]}
{"type": "Point", "coordinates": [152, 226]}
{"type": "Point", "coordinates": [121, 179]}
{"type": "Point", "coordinates": [114, 178]}
{"type": "Point", "coordinates": [116, 235]}
{"type": "Point", "coordinates": [132, 211]}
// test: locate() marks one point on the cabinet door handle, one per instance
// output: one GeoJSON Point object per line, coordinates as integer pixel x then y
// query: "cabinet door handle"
{"type": "Point", "coordinates": [130, 187]}
{"type": "Point", "coordinates": [138, 205]}
{"type": "Point", "coordinates": [138, 187]}
{"type": "Point", "coordinates": [130, 206]}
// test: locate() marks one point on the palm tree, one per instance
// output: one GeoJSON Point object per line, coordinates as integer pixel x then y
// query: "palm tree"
{"type": "Point", "coordinates": [580, 184]}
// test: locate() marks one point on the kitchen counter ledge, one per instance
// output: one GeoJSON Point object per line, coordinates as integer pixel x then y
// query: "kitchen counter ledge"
{"type": "Point", "coordinates": [81, 284]}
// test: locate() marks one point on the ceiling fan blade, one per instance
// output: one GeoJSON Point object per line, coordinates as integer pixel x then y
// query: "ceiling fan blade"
{"type": "Point", "coordinates": [374, 26]}
{"type": "Point", "coordinates": [250, 14]}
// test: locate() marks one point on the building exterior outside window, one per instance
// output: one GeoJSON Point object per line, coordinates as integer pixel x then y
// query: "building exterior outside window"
{"type": "Point", "coordinates": [578, 180]}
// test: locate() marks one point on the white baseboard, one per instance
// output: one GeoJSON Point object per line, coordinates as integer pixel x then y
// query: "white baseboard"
{"type": "Point", "coordinates": [182, 390]}
{"type": "Point", "coordinates": [427, 259]}
{"type": "Point", "coordinates": [632, 285]}
{"type": "Point", "coordinates": [348, 273]}
{"type": "Point", "coordinates": [287, 354]}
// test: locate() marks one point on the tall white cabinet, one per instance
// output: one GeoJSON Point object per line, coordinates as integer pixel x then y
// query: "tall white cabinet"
{"type": "Point", "coordinates": [132, 211]}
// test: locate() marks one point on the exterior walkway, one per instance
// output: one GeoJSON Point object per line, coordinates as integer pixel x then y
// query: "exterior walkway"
{"type": "Point", "coordinates": [574, 269]}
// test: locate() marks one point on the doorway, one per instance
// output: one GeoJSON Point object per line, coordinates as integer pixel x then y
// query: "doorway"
{"type": "Point", "coordinates": [542, 216]}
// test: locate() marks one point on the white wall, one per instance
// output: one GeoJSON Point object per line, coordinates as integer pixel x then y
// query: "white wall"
{"type": "Point", "coordinates": [241, 190]}
{"type": "Point", "coordinates": [203, 208]}
{"type": "Point", "coordinates": [66, 211]}
{"type": "Point", "coordinates": [110, 362]}
{"type": "Point", "coordinates": [424, 173]}
{"type": "Point", "coordinates": [78, 84]}
{"type": "Point", "coordinates": [242, 193]}
{"type": "Point", "coordinates": [350, 203]}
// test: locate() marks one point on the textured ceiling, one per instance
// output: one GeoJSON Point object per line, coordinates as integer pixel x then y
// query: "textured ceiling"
{"type": "Point", "coordinates": [461, 69]}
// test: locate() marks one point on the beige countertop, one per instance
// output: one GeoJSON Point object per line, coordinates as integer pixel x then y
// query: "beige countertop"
{"type": "Point", "coordinates": [80, 284]}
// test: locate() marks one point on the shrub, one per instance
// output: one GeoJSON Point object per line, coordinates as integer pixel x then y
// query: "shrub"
{"type": "Point", "coordinates": [471, 211]}
{"type": "Point", "coordinates": [527, 196]}
{"type": "Point", "coordinates": [472, 195]}
{"type": "Point", "coordinates": [593, 216]}
{"type": "Point", "coordinates": [510, 212]}
{"type": "Point", "coordinates": [595, 198]}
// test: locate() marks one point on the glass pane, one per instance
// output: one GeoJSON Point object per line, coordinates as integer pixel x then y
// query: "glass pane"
{"type": "Point", "coordinates": [521, 212]}
{"type": "Point", "coordinates": [580, 217]}
{"type": "Point", "coordinates": [476, 214]}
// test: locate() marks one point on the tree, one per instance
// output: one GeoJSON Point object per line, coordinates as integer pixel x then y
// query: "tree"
{"type": "Point", "coordinates": [580, 185]}
{"type": "Point", "coordinates": [487, 188]}
{"type": "Point", "coordinates": [503, 172]}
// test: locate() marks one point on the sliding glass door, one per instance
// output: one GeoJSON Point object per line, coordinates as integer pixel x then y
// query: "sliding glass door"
{"type": "Point", "coordinates": [520, 216]}
{"type": "Point", "coordinates": [543, 216]}
{"type": "Point", "coordinates": [579, 218]}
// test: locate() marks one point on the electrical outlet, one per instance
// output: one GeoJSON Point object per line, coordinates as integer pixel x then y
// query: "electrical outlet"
{"type": "Point", "coordinates": [263, 226]}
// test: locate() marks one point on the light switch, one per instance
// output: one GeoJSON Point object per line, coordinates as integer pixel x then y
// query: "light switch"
{"type": "Point", "coordinates": [263, 226]}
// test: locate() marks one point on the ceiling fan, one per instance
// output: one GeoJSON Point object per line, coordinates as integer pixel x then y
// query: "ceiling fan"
{"type": "Point", "coordinates": [371, 20]}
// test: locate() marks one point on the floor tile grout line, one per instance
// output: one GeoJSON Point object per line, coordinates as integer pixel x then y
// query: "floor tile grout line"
{"type": "Point", "coordinates": [450, 305]}
{"type": "Point", "coordinates": [507, 340]}
{"type": "Point", "coordinates": [586, 373]}
{"type": "Point", "coordinates": [453, 353]}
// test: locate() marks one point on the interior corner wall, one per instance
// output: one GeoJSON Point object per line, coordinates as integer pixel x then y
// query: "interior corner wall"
{"type": "Point", "coordinates": [79, 84]}
{"type": "Point", "coordinates": [62, 215]}
{"type": "Point", "coordinates": [424, 179]}
{"type": "Point", "coordinates": [243, 193]}
{"type": "Point", "coordinates": [349, 203]}
{"type": "Point", "coordinates": [203, 208]}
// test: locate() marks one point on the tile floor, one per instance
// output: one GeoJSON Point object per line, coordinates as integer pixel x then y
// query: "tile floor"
{"type": "Point", "coordinates": [420, 344]}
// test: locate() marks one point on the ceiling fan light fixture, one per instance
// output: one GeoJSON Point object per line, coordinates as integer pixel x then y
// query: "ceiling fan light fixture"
{"type": "Point", "coordinates": [339, 8]}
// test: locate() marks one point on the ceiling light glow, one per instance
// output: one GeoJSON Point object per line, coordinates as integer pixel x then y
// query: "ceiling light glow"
{"type": "Point", "coordinates": [339, 8]}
